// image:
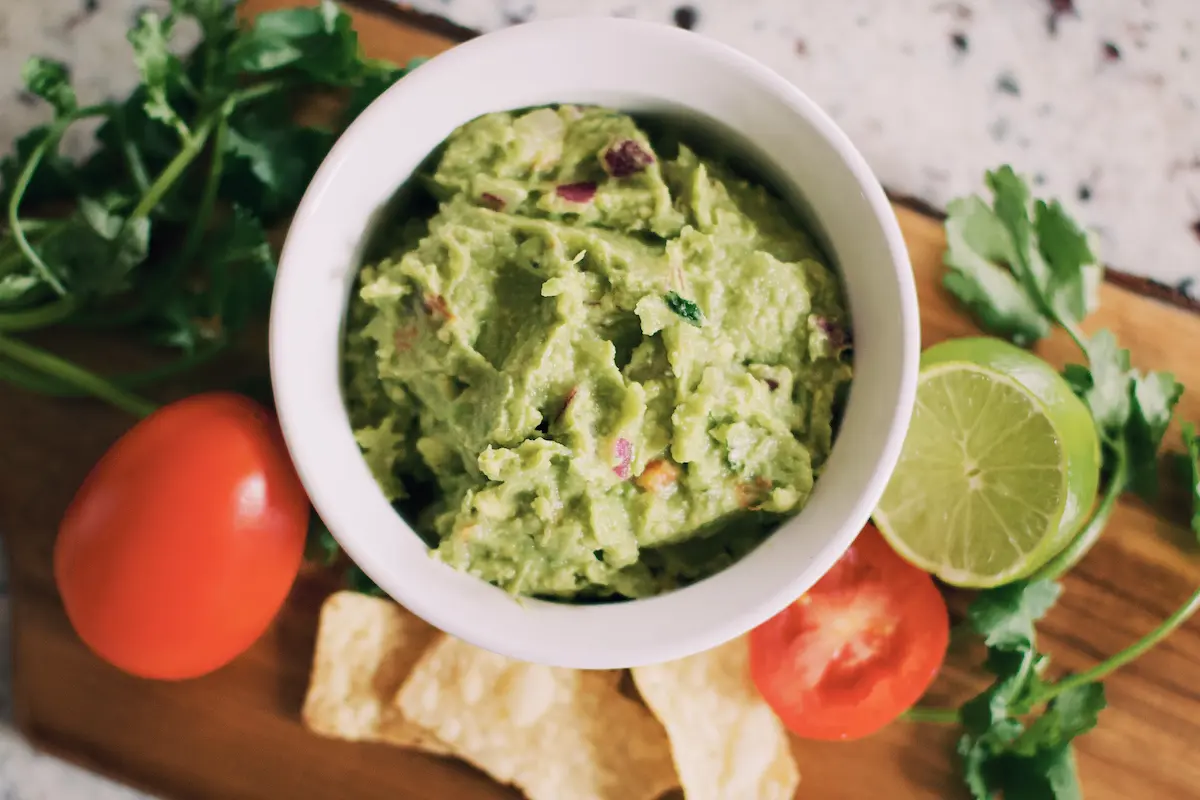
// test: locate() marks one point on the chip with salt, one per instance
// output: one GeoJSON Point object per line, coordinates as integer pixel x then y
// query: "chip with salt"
{"type": "Point", "coordinates": [366, 647]}
{"type": "Point", "coordinates": [727, 743]}
{"type": "Point", "coordinates": [555, 734]}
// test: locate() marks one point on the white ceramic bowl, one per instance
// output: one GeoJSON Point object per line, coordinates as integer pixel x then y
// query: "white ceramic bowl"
{"type": "Point", "coordinates": [641, 68]}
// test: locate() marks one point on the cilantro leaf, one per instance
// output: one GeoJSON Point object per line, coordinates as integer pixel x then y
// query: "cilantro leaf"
{"type": "Point", "coordinates": [976, 752]}
{"type": "Point", "coordinates": [978, 248]}
{"type": "Point", "coordinates": [96, 248]}
{"type": "Point", "coordinates": [1005, 616]}
{"type": "Point", "coordinates": [1191, 443]}
{"type": "Point", "coordinates": [133, 147]}
{"type": "Point", "coordinates": [1040, 762]}
{"type": "Point", "coordinates": [216, 18]}
{"type": "Point", "coordinates": [15, 287]}
{"type": "Point", "coordinates": [270, 165]}
{"type": "Point", "coordinates": [241, 271]}
{"type": "Point", "coordinates": [378, 76]}
{"type": "Point", "coordinates": [357, 581]}
{"type": "Point", "coordinates": [319, 546]}
{"type": "Point", "coordinates": [1154, 398]}
{"type": "Point", "coordinates": [1104, 384]}
{"type": "Point", "coordinates": [1131, 410]}
{"type": "Point", "coordinates": [318, 42]}
{"type": "Point", "coordinates": [1000, 754]}
{"type": "Point", "coordinates": [1070, 714]}
{"type": "Point", "coordinates": [990, 707]}
{"type": "Point", "coordinates": [1075, 274]}
{"type": "Point", "coordinates": [1019, 266]}
{"type": "Point", "coordinates": [162, 71]}
{"type": "Point", "coordinates": [51, 81]}
{"type": "Point", "coordinates": [128, 240]}
{"type": "Point", "coordinates": [1049, 774]}
{"type": "Point", "coordinates": [684, 308]}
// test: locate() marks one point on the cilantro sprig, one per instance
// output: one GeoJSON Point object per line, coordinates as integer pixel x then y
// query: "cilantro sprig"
{"type": "Point", "coordinates": [1017, 733]}
{"type": "Point", "coordinates": [162, 232]}
{"type": "Point", "coordinates": [1023, 267]}
{"type": "Point", "coordinates": [1191, 471]}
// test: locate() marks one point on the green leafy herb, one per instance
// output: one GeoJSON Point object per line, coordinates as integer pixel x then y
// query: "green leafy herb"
{"type": "Point", "coordinates": [357, 581]}
{"type": "Point", "coordinates": [318, 42]}
{"type": "Point", "coordinates": [51, 81]}
{"type": "Point", "coordinates": [1191, 471]}
{"type": "Point", "coordinates": [162, 232]}
{"type": "Point", "coordinates": [268, 165]}
{"type": "Point", "coordinates": [684, 308]}
{"type": "Point", "coordinates": [162, 71]}
{"type": "Point", "coordinates": [320, 547]}
{"type": "Point", "coordinates": [1019, 266]}
{"type": "Point", "coordinates": [1016, 265]}
{"type": "Point", "coordinates": [1022, 268]}
{"type": "Point", "coordinates": [1000, 752]}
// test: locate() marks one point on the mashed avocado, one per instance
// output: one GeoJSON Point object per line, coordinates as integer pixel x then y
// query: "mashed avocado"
{"type": "Point", "coordinates": [617, 370]}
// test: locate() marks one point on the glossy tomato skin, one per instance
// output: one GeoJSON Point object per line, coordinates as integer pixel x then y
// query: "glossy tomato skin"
{"type": "Point", "coordinates": [856, 650]}
{"type": "Point", "coordinates": [184, 540]}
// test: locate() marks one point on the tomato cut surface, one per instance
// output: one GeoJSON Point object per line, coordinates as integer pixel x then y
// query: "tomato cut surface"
{"type": "Point", "coordinates": [183, 542]}
{"type": "Point", "coordinates": [856, 650]}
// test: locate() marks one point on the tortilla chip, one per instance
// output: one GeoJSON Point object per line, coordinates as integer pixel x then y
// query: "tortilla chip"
{"type": "Point", "coordinates": [727, 743]}
{"type": "Point", "coordinates": [556, 734]}
{"type": "Point", "coordinates": [366, 646]}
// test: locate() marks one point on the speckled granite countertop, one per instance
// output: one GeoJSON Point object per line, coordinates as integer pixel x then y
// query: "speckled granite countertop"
{"type": "Point", "coordinates": [1099, 100]}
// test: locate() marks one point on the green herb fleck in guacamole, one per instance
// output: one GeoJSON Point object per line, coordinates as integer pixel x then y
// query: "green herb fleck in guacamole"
{"type": "Point", "coordinates": [595, 371]}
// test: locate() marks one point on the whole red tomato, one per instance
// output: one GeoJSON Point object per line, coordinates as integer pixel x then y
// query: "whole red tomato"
{"type": "Point", "coordinates": [184, 540]}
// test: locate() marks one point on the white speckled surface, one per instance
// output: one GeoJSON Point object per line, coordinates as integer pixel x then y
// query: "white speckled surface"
{"type": "Point", "coordinates": [932, 91]}
{"type": "Point", "coordinates": [1116, 134]}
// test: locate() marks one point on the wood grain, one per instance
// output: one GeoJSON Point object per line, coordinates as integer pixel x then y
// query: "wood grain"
{"type": "Point", "coordinates": [236, 733]}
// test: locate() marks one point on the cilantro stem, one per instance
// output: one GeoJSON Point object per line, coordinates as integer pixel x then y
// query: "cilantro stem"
{"type": "Point", "coordinates": [86, 381]}
{"type": "Point", "coordinates": [15, 224]}
{"type": "Point", "coordinates": [133, 158]}
{"type": "Point", "coordinates": [1073, 331]}
{"type": "Point", "coordinates": [1118, 482]}
{"type": "Point", "coordinates": [208, 199]}
{"type": "Point", "coordinates": [14, 207]}
{"type": "Point", "coordinates": [45, 384]}
{"type": "Point", "coordinates": [192, 147]}
{"type": "Point", "coordinates": [1131, 653]}
{"type": "Point", "coordinates": [155, 293]}
{"type": "Point", "coordinates": [936, 716]}
{"type": "Point", "coordinates": [252, 93]}
{"type": "Point", "coordinates": [28, 379]}
{"type": "Point", "coordinates": [40, 317]}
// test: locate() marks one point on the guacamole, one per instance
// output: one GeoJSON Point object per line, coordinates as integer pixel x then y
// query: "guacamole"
{"type": "Point", "coordinates": [597, 369]}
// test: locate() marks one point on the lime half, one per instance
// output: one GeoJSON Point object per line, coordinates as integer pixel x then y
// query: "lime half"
{"type": "Point", "coordinates": [999, 469]}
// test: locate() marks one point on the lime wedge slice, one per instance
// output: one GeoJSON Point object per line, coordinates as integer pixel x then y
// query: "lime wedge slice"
{"type": "Point", "coordinates": [999, 469]}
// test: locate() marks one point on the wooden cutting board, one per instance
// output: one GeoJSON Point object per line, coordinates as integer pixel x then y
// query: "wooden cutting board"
{"type": "Point", "coordinates": [236, 734]}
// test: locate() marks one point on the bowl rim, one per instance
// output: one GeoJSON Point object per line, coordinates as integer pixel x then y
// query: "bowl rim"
{"type": "Point", "coordinates": [473, 613]}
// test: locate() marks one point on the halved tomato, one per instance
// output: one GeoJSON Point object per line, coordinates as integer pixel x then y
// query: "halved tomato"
{"type": "Point", "coordinates": [856, 650]}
